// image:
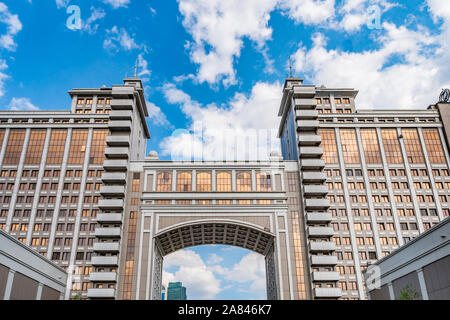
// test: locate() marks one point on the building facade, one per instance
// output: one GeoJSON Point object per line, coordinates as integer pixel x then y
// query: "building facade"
{"type": "Point", "coordinates": [351, 187]}
{"type": "Point", "coordinates": [419, 270]}
{"type": "Point", "coordinates": [27, 275]}
{"type": "Point", "coordinates": [176, 291]}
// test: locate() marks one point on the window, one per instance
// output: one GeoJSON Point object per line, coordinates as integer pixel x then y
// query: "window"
{"type": "Point", "coordinates": [244, 181]}
{"type": "Point", "coordinates": [391, 146]}
{"type": "Point", "coordinates": [204, 182]}
{"type": "Point", "coordinates": [349, 146]}
{"type": "Point", "coordinates": [263, 181]}
{"type": "Point", "coordinates": [223, 180]}
{"type": "Point", "coordinates": [164, 182]}
{"type": "Point", "coordinates": [78, 146]}
{"type": "Point", "coordinates": [370, 145]}
{"type": "Point", "coordinates": [434, 146]}
{"type": "Point", "coordinates": [184, 182]}
{"type": "Point", "coordinates": [35, 147]}
{"type": "Point", "coordinates": [329, 146]}
{"type": "Point", "coordinates": [98, 147]}
{"type": "Point", "coordinates": [412, 145]}
{"type": "Point", "coordinates": [135, 187]}
{"type": "Point", "coordinates": [14, 147]}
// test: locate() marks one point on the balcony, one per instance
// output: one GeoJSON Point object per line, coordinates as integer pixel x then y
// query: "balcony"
{"type": "Point", "coordinates": [121, 115]}
{"type": "Point", "coordinates": [312, 164]}
{"type": "Point", "coordinates": [122, 104]}
{"type": "Point", "coordinates": [305, 92]}
{"type": "Point", "coordinates": [327, 293]}
{"type": "Point", "coordinates": [323, 260]}
{"type": "Point", "coordinates": [103, 277]}
{"type": "Point", "coordinates": [318, 217]}
{"type": "Point", "coordinates": [311, 152]}
{"type": "Point", "coordinates": [317, 204]}
{"type": "Point", "coordinates": [118, 141]}
{"type": "Point", "coordinates": [107, 232]}
{"type": "Point", "coordinates": [111, 204]}
{"type": "Point", "coordinates": [326, 246]}
{"type": "Point", "coordinates": [112, 191]}
{"type": "Point", "coordinates": [314, 177]}
{"type": "Point", "coordinates": [97, 293]}
{"type": "Point", "coordinates": [122, 125]}
{"type": "Point", "coordinates": [319, 232]}
{"type": "Point", "coordinates": [117, 153]}
{"type": "Point", "coordinates": [106, 247]}
{"type": "Point", "coordinates": [307, 114]}
{"type": "Point", "coordinates": [307, 125]}
{"type": "Point", "coordinates": [325, 276]}
{"type": "Point", "coordinates": [315, 190]}
{"type": "Point", "coordinates": [109, 218]}
{"type": "Point", "coordinates": [113, 165]}
{"type": "Point", "coordinates": [114, 177]}
{"type": "Point", "coordinates": [309, 140]}
{"type": "Point", "coordinates": [105, 261]}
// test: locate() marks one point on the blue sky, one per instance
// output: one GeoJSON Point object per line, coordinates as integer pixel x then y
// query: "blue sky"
{"type": "Point", "coordinates": [220, 65]}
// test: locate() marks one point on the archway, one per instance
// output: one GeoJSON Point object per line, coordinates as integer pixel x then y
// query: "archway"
{"type": "Point", "coordinates": [225, 232]}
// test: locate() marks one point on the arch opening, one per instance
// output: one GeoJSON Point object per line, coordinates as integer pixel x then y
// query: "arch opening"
{"type": "Point", "coordinates": [215, 233]}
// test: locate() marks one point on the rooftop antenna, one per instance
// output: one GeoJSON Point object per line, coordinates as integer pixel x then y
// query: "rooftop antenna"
{"type": "Point", "coordinates": [135, 68]}
{"type": "Point", "coordinates": [290, 67]}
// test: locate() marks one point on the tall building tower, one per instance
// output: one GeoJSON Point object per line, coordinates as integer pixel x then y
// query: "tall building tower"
{"type": "Point", "coordinates": [176, 291]}
{"type": "Point", "coordinates": [370, 180]}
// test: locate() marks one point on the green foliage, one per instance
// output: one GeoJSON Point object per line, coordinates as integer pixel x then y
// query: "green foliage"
{"type": "Point", "coordinates": [408, 293]}
{"type": "Point", "coordinates": [77, 297]}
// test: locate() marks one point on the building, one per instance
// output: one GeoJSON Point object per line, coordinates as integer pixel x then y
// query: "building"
{"type": "Point", "coordinates": [27, 275]}
{"type": "Point", "coordinates": [164, 292]}
{"type": "Point", "coordinates": [383, 177]}
{"type": "Point", "coordinates": [421, 268]}
{"type": "Point", "coordinates": [176, 291]}
{"type": "Point", "coordinates": [351, 187]}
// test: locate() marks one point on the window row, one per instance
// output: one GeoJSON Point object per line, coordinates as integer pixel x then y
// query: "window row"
{"type": "Point", "coordinates": [391, 141]}
{"type": "Point", "coordinates": [204, 182]}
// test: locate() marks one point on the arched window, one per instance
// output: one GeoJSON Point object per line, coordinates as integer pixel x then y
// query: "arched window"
{"type": "Point", "coordinates": [184, 182]}
{"type": "Point", "coordinates": [204, 182]}
{"type": "Point", "coordinates": [244, 181]}
{"type": "Point", "coordinates": [223, 180]}
{"type": "Point", "coordinates": [164, 182]}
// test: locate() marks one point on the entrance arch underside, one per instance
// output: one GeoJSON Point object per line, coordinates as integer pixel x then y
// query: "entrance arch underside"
{"type": "Point", "coordinates": [225, 233]}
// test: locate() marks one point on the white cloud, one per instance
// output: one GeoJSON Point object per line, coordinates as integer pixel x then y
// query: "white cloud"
{"type": "Point", "coordinates": [214, 259]}
{"type": "Point", "coordinates": [218, 132]}
{"type": "Point", "coordinates": [204, 281]}
{"type": "Point", "coordinates": [13, 26]}
{"type": "Point", "coordinates": [309, 11]}
{"type": "Point", "coordinates": [119, 38]}
{"type": "Point", "coordinates": [143, 68]}
{"type": "Point", "coordinates": [21, 104]}
{"type": "Point", "coordinates": [3, 76]}
{"type": "Point", "coordinates": [157, 117]}
{"type": "Point", "coordinates": [218, 29]}
{"type": "Point", "coordinates": [407, 70]}
{"type": "Point", "coordinates": [97, 14]}
{"type": "Point", "coordinates": [199, 280]}
{"type": "Point", "coordinates": [250, 269]}
{"type": "Point", "coordinates": [62, 3]}
{"type": "Point", "coordinates": [117, 3]}
{"type": "Point", "coordinates": [359, 13]}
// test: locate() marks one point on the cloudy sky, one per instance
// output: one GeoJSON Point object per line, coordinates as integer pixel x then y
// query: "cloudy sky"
{"type": "Point", "coordinates": [217, 67]}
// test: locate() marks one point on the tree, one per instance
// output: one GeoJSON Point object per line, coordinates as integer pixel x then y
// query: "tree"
{"type": "Point", "coordinates": [408, 293]}
{"type": "Point", "coordinates": [77, 297]}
